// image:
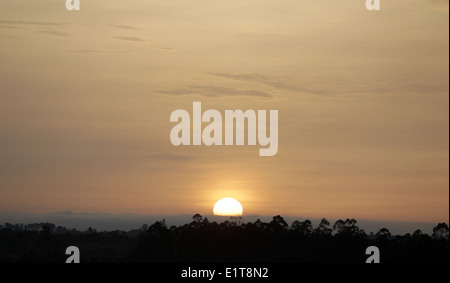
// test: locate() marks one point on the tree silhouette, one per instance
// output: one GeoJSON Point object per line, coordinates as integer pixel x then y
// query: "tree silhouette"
{"type": "Point", "coordinates": [347, 228]}
{"type": "Point", "coordinates": [158, 227]}
{"type": "Point", "coordinates": [441, 231]}
{"type": "Point", "coordinates": [204, 241]}
{"type": "Point", "coordinates": [197, 218]}
{"type": "Point", "coordinates": [417, 234]}
{"type": "Point", "coordinates": [46, 230]}
{"type": "Point", "coordinates": [197, 222]}
{"type": "Point", "coordinates": [324, 228]}
{"type": "Point", "coordinates": [260, 225]}
{"type": "Point", "coordinates": [302, 228]}
{"type": "Point", "coordinates": [278, 224]}
{"type": "Point", "coordinates": [383, 234]}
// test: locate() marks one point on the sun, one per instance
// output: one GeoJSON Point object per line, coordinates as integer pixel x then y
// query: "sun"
{"type": "Point", "coordinates": [228, 207]}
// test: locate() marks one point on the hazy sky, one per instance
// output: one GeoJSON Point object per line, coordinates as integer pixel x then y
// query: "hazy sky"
{"type": "Point", "coordinates": [363, 101]}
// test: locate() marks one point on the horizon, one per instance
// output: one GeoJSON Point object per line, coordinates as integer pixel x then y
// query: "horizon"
{"type": "Point", "coordinates": [128, 221]}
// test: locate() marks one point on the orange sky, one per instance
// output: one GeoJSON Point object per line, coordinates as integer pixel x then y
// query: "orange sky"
{"type": "Point", "coordinates": [363, 101]}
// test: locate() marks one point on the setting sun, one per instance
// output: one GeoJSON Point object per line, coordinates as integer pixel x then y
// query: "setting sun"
{"type": "Point", "coordinates": [228, 207]}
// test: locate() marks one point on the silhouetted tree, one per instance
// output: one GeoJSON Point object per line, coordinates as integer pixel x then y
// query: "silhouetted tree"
{"type": "Point", "coordinates": [9, 226]}
{"type": "Point", "coordinates": [417, 234]}
{"type": "Point", "coordinates": [338, 226]}
{"type": "Point", "coordinates": [45, 230]}
{"type": "Point", "coordinates": [158, 227]}
{"type": "Point", "coordinates": [383, 234]}
{"type": "Point", "coordinates": [197, 218]}
{"type": "Point", "coordinates": [348, 228]}
{"type": "Point", "coordinates": [302, 228]}
{"type": "Point", "coordinates": [90, 230]}
{"type": "Point", "coordinates": [197, 223]}
{"type": "Point", "coordinates": [324, 228]}
{"type": "Point", "coordinates": [260, 225]}
{"type": "Point", "coordinates": [278, 224]}
{"type": "Point", "coordinates": [203, 241]}
{"type": "Point", "coordinates": [441, 231]}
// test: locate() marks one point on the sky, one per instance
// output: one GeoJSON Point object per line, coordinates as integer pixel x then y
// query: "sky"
{"type": "Point", "coordinates": [363, 101]}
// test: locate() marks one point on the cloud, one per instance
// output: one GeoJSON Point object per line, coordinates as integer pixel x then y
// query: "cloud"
{"type": "Point", "coordinates": [129, 38]}
{"type": "Point", "coordinates": [265, 32]}
{"type": "Point", "coordinates": [280, 83]}
{"type": "Point", "coordinates": [9, 36]}
{"type": "Point", "coordinates": [8, 27]}
{"type": "Point", "coordinates": [213, 91]}
{"type": "Point", "coordinates": [124, 27]}
{"type": "Point", "coordinates": [259, 78]}
{"type": "Point", "coordinates": [55, 25]}
{"type": "Point", "coordinates": [33, 23]}
{"type": "Point", "coordinates": [56, 33]}
{"type": "Point", "coordinates": [88, 51]}
{"type": "Point", "coordinates": [170, 156]}
{"type": "Point", "coordinates": [425, 88]}
{"type": "Point", "coordinates": [286, 84]}
{"type": "Point", "coordinates": [166, 49]}
{"type": "Point", "coordinates": [66, 212]}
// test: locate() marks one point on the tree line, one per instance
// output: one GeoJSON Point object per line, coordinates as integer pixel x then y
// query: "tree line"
{"type": "Point", "coordinates": [230, 241]}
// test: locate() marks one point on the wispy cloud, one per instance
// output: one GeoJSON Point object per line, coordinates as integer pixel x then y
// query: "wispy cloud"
{"type": "Point", "coordinates": [276, 83]}
{"type": "Point", "coordinates": [7, 27]}
{"type": "Point", "coordinates": [287, 85]}
{"type": "Point", "coordinates": [259, 78]}
{"type": "Point", "coordinates": [9, 36]}
{"type": "Point", "coordinates": [40, 26]}
{"type": "Point", "coordinates": [33, 23]}
{"type": "Point", "coordinates": [425, 88]}
{"type": "Point", "coordinates": [88, 51]}
{"type": "Point", "coordinates": [214, 91]}
{"type": "Point", "coordinates": [170, 156]}
{"type": "Point", "coordinates": [129, 38]}
{"type": "Point", "coordinates": [124, 27]}
{"type": "Point", "coordinates": [166, 49]}
{"type": "Point", "coordinates": [264, 32]}
{"type": "Point", "coordinates": [55, 33]}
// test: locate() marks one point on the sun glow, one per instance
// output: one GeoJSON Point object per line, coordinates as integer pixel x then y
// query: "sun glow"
{"type": "Point", "coordinates": [228, 207]}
